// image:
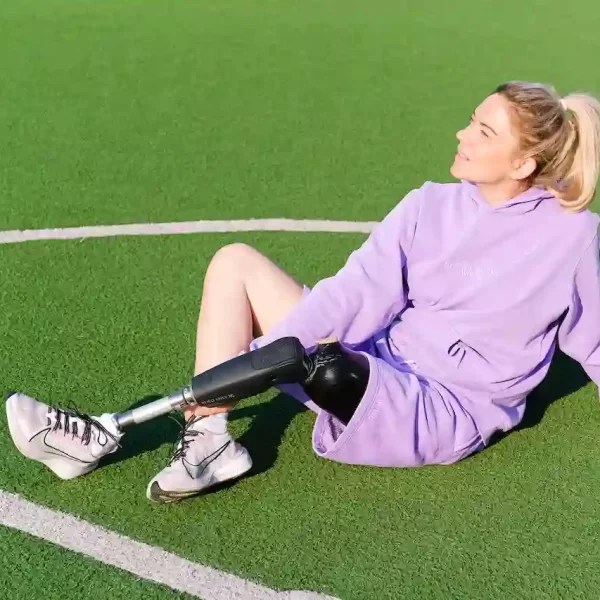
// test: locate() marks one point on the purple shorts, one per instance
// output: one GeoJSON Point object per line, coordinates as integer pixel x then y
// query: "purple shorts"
{"type": "Point", "coordinates": [403, 420]}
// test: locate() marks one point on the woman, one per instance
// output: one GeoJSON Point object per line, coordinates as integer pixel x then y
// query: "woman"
{"type": "Point", "coordinates": [456, 302]}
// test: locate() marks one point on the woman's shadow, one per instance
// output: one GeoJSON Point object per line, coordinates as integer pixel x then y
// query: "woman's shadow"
{"type": "Point", "coordinates": [262, 439]}
{"type": "Point", "coordinates": [272, 418]}
{"type": "Point", "coordinates": [565, 377]}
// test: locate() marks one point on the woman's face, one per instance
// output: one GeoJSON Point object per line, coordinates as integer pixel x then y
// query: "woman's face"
{"type": "Point", "coordinates": [488, 149]}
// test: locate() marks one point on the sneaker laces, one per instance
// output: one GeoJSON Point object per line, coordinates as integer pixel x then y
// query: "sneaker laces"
{"type": "Point", "coordinates": [185, 438]}
{"type": "Point", "coordinates": [69, 420]}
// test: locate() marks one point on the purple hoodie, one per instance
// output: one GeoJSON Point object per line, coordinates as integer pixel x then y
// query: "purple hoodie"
{"type": "Point", "coordinates": [470, 299]}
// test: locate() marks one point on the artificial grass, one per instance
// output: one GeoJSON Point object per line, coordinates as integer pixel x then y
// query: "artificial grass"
{"type": "Point", "coordinates": [116, 111]}
{"type": "Point", "coordinates": [106, 323]}
{"type": "Point", "coordinates": [135, 111]}
{"type": "Point", "coordinates": [32, 568]}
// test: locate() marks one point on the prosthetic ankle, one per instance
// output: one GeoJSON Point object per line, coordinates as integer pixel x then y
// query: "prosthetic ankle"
{"type": "Point", "coordinates": [331, 378]}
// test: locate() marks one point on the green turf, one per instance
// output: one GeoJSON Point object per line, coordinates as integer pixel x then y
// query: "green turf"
{"type": "Point", "coordinates": [107, 322]}
{"type": "Point", "coordinates": [155, 110]}
{"type": "Point", "coordinates": [130, 111]}
{"type": "Point", "coordinates": [32, 568]}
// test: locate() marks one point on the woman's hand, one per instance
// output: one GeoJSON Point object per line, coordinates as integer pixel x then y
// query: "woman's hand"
{"type": "Point", "coordinates": [205, 411]}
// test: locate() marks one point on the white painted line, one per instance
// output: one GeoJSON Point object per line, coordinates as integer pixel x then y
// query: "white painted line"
{"type": "Point", "coordinates": [100, 231]}
{"type": "Point", "coordinates": [143, 560]}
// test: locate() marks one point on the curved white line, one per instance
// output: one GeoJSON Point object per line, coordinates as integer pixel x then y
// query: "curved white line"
{"type": "Point", "coordinates": [100, 231]}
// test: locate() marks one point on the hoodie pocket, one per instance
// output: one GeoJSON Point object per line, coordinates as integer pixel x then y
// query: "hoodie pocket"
{"type": "Point", "coordinates": [431, 341]}
{"type": "Point", "coordinates": [444, 338]}
{"type": "Point", "coordinates": [457, 350]}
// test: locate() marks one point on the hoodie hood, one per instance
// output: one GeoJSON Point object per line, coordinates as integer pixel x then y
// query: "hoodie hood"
{"type": "Point", "coordinates": [524, 202]}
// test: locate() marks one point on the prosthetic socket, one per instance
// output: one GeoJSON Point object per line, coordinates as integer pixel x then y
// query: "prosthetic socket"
{"type": "Point", "coordinates": [333, 379]}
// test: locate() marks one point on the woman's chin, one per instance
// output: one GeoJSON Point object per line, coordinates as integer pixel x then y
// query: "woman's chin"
{"type": "Point", "coordinates": [457, 171]}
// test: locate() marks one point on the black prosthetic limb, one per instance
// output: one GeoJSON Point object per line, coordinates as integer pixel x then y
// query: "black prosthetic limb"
{"type": "Point", "coordinates": [250, 374]}
{"type": "Point", "coordinates": [331, 378]}
{"type": "Point", "coordinates": [337, 380]}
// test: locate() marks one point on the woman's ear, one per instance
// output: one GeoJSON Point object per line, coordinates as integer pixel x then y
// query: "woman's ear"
{"type": "Point", "coordinates": [523, 168]}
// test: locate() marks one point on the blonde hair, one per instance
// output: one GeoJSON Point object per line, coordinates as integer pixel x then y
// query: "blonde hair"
{"type": "Point", "coordinates": [562, 135]}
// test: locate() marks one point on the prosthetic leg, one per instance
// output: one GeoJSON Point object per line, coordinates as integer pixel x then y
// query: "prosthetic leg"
{"type": "Point", "coordinates": [333, 379]}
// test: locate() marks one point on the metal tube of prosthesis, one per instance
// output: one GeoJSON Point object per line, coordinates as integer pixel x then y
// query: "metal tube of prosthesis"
{"type": "Point", "coordinates": [152, 410]}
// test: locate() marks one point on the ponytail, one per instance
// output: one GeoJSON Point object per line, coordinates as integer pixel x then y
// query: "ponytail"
{"type": "Point", "coordinates": [581, 152]}
{"type": "Point", "coordinates": [562, 135]}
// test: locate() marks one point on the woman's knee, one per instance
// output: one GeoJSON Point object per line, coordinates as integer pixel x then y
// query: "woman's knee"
{"type": "Point", "coordinates": [233, 258]}
{"type": "Point", "coordinates": [271, 291]}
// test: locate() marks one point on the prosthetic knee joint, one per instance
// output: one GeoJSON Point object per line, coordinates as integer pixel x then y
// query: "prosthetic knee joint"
{"type": "Point", "coordinates": [333, 379]}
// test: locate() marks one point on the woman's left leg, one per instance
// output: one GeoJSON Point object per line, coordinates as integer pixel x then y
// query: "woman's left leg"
{"type": "Point", "coordinates": [244, 295]}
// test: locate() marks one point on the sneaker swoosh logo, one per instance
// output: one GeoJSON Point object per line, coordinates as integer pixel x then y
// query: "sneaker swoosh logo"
{"type": "Point", "coordinates": [57, 451]}
{"type": "Point", "coordinates": [195, 471]}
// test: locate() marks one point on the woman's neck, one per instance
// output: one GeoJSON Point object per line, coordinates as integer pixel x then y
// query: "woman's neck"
{"type": "Point", "coordinates": [496, 194]}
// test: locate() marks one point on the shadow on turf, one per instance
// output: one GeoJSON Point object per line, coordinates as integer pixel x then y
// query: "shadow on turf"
{"type": "Point", "coordinates": [564, 378]}
{"type": "Point", "coordinates": [145, 437]}
{"type": "Point", "coordinates": [265, 434]}
{"type": "Point", "coordinates": [271, 419]}
{"type": "Point", "coordinates": [262, 440]}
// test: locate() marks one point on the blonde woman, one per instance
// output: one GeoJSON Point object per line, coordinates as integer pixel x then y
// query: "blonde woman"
{"type": "Point", "coordinates": [454, 306]}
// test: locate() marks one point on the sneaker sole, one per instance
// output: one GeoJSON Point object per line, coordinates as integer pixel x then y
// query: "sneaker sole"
{"type": "Point", "coordinates": [56, 465]}
{"type": "Point", "coordinates": [234, 470]}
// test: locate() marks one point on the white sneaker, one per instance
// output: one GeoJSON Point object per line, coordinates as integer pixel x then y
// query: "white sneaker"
{"type": "Point", "coordinates": [67, 442]}
{"type": "Point", "coordinates": [205, 455]}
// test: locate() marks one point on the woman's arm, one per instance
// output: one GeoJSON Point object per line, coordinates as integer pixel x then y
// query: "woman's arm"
{"type": "Point", "coordinates": [579, 333]}
{"type": "Point", "coordinates": [365, 294]}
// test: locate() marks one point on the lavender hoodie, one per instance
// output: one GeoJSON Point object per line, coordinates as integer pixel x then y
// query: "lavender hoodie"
{"type": "Point", "coordinates": [475, 297]}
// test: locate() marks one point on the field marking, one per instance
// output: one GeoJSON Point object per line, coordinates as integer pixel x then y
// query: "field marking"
{"type": "Point", "coordinates": [185, 227]}
{"type": "Point", "coordinates": [145, 561]}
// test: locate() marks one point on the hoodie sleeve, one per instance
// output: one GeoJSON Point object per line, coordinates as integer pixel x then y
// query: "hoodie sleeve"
{"type": "Point", "coordinates": [365, 294]}
{"type": "Point", "coordinates": [579, 333]}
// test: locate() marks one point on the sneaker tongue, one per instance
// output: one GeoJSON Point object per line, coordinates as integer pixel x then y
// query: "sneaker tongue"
{"type": "Point", "coordinates": [107, 422]}
{"type": "Point", "coordinates": [96, 434]}
{"type": "Point", "coordinates": [79, 425]}
{"type": "Point", "coordinates": [197, 424]}
{"type": "Point", "coordinates": [216, 424]}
